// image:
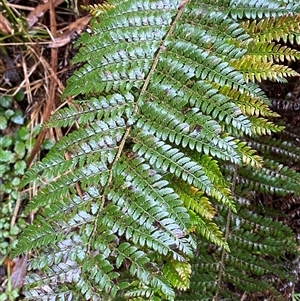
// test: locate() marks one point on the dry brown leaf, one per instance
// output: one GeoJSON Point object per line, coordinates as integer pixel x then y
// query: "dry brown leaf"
{"type": "Point", "coordinates": [19, 272]}
{"type": "Point", "coordinates": [5, 25]}
{"type": "Point", "coordinates": [74, 29]}
{"type": "Point", "coordinates": [39, 11]}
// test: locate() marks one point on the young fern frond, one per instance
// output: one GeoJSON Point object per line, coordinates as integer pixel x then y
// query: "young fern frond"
{"type": "Point", "coordinates": [98, 9]}
{"type": "Point", "coordinates": [263, 54]}
{"type": "Point", "coordinates": [163, 107]}
{"type": "Point", "coordinates": [255, 70]}
{"type": "Point", "coordinates": [284, 28]}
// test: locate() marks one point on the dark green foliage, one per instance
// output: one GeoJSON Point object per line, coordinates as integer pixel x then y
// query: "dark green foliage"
{"type": "Point", "coordinates": [147, 190]}
{"type": "Point", "coordinates": [256, 244]}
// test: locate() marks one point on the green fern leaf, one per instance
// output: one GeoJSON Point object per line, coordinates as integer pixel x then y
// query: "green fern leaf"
{"type": "Point", "coordinates": [158, 156]}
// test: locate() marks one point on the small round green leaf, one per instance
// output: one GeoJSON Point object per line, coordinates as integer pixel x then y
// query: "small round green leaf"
{"type": "Point", "coordinates": [14, 230]}
{"type": "Point", "coordinates": [20, 95]}
{"type": "Point", "coordinates": [6, 155]}
{"type": "Point", "coordinates": [19, 149]}
{"type": "Point", "coordinates": [15, 181]}
{"type": "Point", "coordinates": [3, 122]}
{"type": "Point", "coordinates": [3, 169]}
{"type": "Point", "coordinates": [20, 167]}
{"type": "Point", "coordinates": [23, 133]}
{"type": "Point", "coordinates": [5, 141]}
{"type": "Point", "coordinates": [9, 113]}
{"type": "Point", "coordinates": [5, 101]}
{"type": "Point", "coordinates": [18, 117]}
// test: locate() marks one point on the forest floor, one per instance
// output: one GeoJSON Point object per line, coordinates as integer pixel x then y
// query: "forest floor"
{"type": "Point", "coordinates": [36, 46]}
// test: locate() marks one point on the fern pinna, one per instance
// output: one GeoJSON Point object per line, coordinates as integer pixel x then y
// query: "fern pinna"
{"type": "Point", "coordinates": [162, 165]}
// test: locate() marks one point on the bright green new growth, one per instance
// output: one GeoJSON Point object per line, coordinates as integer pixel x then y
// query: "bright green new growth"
{"type": "Point", "coordinates": [167, 113]}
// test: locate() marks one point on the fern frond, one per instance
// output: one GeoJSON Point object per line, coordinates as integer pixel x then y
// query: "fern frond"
{"type": "Point", "coordinates": [261, 126]}
{"type": "Point", "coordinates": [249, 156]}
{"type": "Point", "coordinates": [178, 274]}
{"type": "Point", "coordinates": [98, 9]}
{"type": "Point", "coordinates": [285, 28]}
{"type": "Point", "coordinates": [84, 111]}
{"type": "Point", "coordinates": [264, 52]}
{"type": "Point", "coordinates": [255, 70]}
{"type": "Point", "coordinates": [195, 200]}
{"type": "Point", "coordinates": [273, 178]}
{"type": "Point", "coordinates": [271, 147]}
{"type": "Point", "coordinates": [252, 239]}
{"type": "Point", "coordinates": [250, 105]}
{"type": "Point", "coordinates": [164, 105]}
{"type": "Point", "coordinates": [208, 230]}
{"type": "Point", "coordinates": [191, 172]}
{"type": "Point", "coordinates": [259, 9]}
